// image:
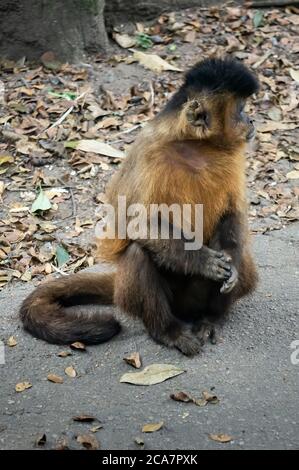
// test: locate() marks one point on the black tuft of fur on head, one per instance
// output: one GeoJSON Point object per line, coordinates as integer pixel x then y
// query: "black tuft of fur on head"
{"type": "Point", "coordinates": [222, 75]}
{"type": "Point", "coordinates": [215, 76]}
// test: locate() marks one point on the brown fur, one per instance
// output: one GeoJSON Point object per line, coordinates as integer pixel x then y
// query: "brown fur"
{"type": "Point", "coordinates": [172, 161]}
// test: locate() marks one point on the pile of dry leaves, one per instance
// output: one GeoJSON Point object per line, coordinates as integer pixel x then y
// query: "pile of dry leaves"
{"type": "Point", "coordinates": [64, 129]}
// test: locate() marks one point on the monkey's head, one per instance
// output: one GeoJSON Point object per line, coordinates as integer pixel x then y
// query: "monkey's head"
{"type": "Point", "coordinates": [211, 102]}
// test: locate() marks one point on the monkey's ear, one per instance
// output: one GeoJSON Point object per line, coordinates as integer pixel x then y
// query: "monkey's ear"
{"type": "Point", "coordinates": [196, 114]}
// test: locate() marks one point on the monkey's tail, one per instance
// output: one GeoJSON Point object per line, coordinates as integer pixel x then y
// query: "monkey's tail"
{"type": "Point", "coordinates": [54, 311]}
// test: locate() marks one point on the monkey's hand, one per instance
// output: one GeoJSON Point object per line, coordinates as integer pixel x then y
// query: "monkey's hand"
{"type": "Point", "coordinates": [230, 283]}
{"type": "Point", "coordinates": [195, 114]}
{"type": "Point", "coordinates": [215, 265]}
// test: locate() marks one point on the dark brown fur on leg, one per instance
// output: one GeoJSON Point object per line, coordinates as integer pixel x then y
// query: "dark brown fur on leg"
{"type": "Point", "coordinates": [49, 312]}
{"type": "Point", "coordinates": [142, 292]}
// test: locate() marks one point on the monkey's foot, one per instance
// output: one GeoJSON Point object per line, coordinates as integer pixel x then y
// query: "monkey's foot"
{"type": "Point", "coordinates": [195, 114]}
{"type": "Point", "coordinates": [188, 343]}
{"type": "Point", "coordinates": [184, 340]}
{"type": "Point", "coordinates": [205, 331]}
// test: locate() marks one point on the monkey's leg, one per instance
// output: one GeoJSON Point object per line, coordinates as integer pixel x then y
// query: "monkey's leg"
{"type": "Point", "coordinates": [230, 237]}
{"type": "Point", "coordinates": [142, 292]}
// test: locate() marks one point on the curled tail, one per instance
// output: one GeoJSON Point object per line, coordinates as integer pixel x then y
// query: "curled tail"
{"type": "Point", "coordinates": [54, 311]}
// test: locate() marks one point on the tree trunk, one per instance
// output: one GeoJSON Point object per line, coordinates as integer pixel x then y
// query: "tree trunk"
{"type": "Point", "coordinates": [68, 28]}
{"type": "Point", "coordinates": [119, 11]}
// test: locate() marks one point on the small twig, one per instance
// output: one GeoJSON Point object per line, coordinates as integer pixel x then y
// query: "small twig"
{"type": "Point", "coordinates": [58, 270]}
{"type": "Point", "coordinates": [64, 115]}
{"type": "Point", "coordinates": [262, 60]}
{"type": "Point", "coordinates": [149, 104]}
{"type": "Point", "coordinates": [127, 131]}
{"type": "Point", "coordinates": [74, 206]}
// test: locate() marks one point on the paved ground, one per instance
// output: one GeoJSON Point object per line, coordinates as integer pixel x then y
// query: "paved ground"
{"type": "Point", "coordinates": [251, 371]}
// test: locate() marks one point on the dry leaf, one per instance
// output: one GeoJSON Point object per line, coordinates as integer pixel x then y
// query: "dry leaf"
{"type": "Point", "coordinates": [41, 440]}
{"type": "Point", "coordinates": [182, 396]}
{"type": "Point", "coordinates": [20, 387]}
{"type": "Point", "coordinates": [78, 345]}
{"type": "Point", "coordinates": [96, 146]}
{"type": "Point", "coordinates": [64, 354]}
{"type": "Point", "coordinates": [88, 441]}
{"type": "Point", "coordinates": [294, 74]}
{"type": "Point", "coordinates": [153, 427]}
{"type": "Point", "coordinates": [210, 397]}
{"type": "Point", "coordinates": [154, 62]}
{"type": "Point", "coordinates": [139, 441]}
{"type": "Point", "coordinates": [220, 437]}
{"type": "Point", "coordinates": [70, 371]}
{"type": "Point", "coordinates": [152, 374]}
{"type": "Point", "coordinates": [11, 342]}
{"type": "Point", "coordinates": [96, 428]}
{"type": "Point", "coordinates": [134, 360]}
{"type": "Point", "coordinates": [84, 418]}
{"type": "Point", "coordinates": [124, 40]}
{"type": "Point", "coordinates": [62, 444]}
{"type": "Point", "coordinates": [293, 175]}
{"type": "Point", "coordinates": [55, 378]}
{"type": "Point", "coordinates": [276, 126]}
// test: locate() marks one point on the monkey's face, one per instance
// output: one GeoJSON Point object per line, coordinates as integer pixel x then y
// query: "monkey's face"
{"type": "Point", "coordinates": [243, 125]}
{"type": "Point", "coordinates": [219, 117]}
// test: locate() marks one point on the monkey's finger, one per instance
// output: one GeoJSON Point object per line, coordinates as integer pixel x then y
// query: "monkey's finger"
{"type": "Point", "coordinates": [228, 285]}
{"type": "Point", "coordinates": [226, 257]}
{"type": "Point", "coordinates": [194, 104]}
{"type": "Point", "coordinates": [221, 263]}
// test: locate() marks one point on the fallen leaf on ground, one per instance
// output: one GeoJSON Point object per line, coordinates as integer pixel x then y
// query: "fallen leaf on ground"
{"type": "Point", "coordinates": [78, 345]}
{"type": "Point", "coordinates": [70, 371]}
{"type": "Point", "coordinates": [11, 342]}
{"type": "Point", "coordinates": [207, 397]}
{"type": "Point", "coordinates": [151, 375]}
{"type": "Point", "coordinates": [294, 74]}
{"type": "Point", "coordinates": [84, 418]}
{"type": "Point", "coordinates": [220, 437]}
{"type": "Point", "coordinates": [96, 428]}
{"type": "Point", "coordinates": [61, 255]}
{"type": "Point", "coordinates": [41, 203]}
{"type": "Point", "coordinates": [64, 354]}
{"type": "Point", "coordinates": [134, 360]}
{"type": "Point", "coordinates": [41, 440]}
{"type": "Point", "coordinates": [88, 441]}
{"type": "Point", "coordinates": [124, 40]}
{"type": "Point", "coordinates": [182, 396]}
{"type": "Point", "coordinates": [293, 175]}
{"type": "Point", "coordinates": [152, 427]}
{"type": "Point", "coordinates": [154, 62]}
{"type": "Point", "coordinates": [20, 387]}
{"type": "Point", "coordinates": [55, 378]}
{"type": "Point", "coordinates": [62, 444]}
{"type": "Point", "coordinates": [210, 397]}
{"type": "Point", "coordinates": [139, 441]}
{"type": "Point", "coordinates": [95, 146]}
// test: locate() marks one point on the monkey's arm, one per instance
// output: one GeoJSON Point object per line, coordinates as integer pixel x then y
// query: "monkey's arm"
{"type": "Point", "coordinates": [229, 237]}
{"type": "Point", "coordinates": [171, 254]}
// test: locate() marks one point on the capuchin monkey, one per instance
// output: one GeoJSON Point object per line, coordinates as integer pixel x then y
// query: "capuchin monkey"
{"type": "Point", "coordinates": [193, 152]}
